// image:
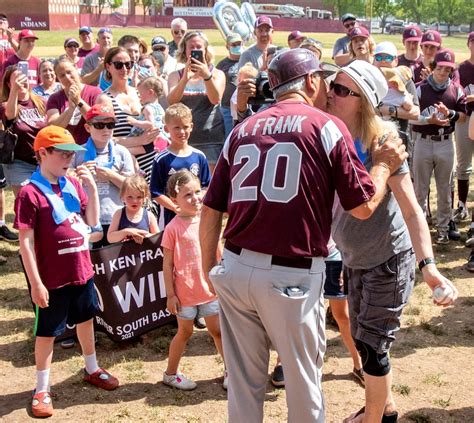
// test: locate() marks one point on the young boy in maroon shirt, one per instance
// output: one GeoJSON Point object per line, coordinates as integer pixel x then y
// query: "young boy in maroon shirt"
{"type": "Point", "coordinates": [54, 216]}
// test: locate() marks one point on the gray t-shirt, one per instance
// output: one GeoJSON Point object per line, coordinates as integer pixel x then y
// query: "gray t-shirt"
{"type": "Point", "coordinates": [109, 193]}
{"type": "Point", "coordinates": [253, 55]}
{"type": "Point", "coordinates": [341, 46]}
{"type": "Point", "coordinates": [90, 63]}
{"type": "Point", "coordinates": [368, 243]}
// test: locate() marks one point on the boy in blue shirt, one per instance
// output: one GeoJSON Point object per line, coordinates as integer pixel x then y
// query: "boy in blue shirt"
{"type": "Point", "coordinates": [179, 155]}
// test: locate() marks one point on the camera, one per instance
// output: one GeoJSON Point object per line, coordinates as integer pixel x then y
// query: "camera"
{"type": "Point", "coordinates": [264, 94]}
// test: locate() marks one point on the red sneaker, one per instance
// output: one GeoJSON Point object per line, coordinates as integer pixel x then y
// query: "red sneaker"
{"type": "Point", "coordinates": [102, 379]}
{"type": "Point", "coordinates": [42, 405]}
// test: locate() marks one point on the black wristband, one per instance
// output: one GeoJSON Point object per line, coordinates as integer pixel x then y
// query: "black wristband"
{"type": "Point", "coordinates": [453, 116]}
{"type": "Point", "coordinates": [425, 261]}
{"type": "Point", "coordinates": [208, 79]}
{"type": "Point", "coordinates": [80, 104]}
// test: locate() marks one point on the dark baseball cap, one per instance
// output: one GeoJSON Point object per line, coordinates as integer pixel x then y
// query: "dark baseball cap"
{"type": "Point", "coordinates": [432, 38]}
{"type": "Point", "coordinates": [263, 20]}
{"type": "Point", "coordinates": [296, 35]}
{"type": "Point", "coordinates": [87, 29]}
{"type": "Point", "coordinates": [412, 33]}
{"type": "Point", "coordinates": [445, 57]}
{"type": "Point", "coordinates": [105, 29]}
{"type": "Point", "coordinates": [348, 17]}
{"type": "Point", "coordinates": [70, 41]}
{"type": "Point", "coordinates": [359, 31]}
{"type": "Point", "coordinates": [158, 40]}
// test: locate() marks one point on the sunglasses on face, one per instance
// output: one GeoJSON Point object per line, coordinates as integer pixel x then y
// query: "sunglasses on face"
{"type": "Point", "coordinates": [178, 31]}
{"type": "Point", "coordinates": [120, 65]}
{"type": "Point", "coordinates": [349, 25]}
{"type": "Point", "coordinates": [384, 58]}
{"type": "Point", "coordinates": [341, 90]}
{"type": "Point", "coordinates": [72, 46]}
{"type": "Point", "coordinates": [163, 48]}
{"type": "Point", "coordinates": [102, 125]}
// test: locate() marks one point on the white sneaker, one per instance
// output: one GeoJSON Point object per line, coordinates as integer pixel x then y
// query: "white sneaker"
{"type": "Point", "coordinates": [226, 380]}
{"type": "Point", "coordinates": [179, 381]}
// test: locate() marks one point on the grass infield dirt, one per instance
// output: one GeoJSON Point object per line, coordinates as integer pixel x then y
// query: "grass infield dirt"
{"type": "Point", "coordinates": [432, 356]}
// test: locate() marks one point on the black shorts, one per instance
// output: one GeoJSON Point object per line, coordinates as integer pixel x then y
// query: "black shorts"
{"type": "Point", "coordinates": [333, 289]}
{"type": "Point", "coordinates": [69, 305]}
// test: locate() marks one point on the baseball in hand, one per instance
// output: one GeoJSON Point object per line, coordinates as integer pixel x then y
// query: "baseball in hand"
{"type": "Point", "coordinates": [443, 294]}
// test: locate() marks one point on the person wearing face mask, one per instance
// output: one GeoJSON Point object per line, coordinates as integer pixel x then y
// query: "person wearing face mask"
{"type": "Point", "coordinates": [230, 66]}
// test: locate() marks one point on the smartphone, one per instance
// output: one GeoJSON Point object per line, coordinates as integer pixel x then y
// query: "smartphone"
{"type": "Point", "coordinates": [23, 67]}
{"type": "Point", "coordinates": [198, 55]}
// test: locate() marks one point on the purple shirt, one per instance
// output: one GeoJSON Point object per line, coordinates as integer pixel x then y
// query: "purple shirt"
{"type": "Point", "coordinates": [33, 68]}
{"type": "Point", "coordinates": [76, 127]}
{"type": "Point", "coordinates": [84, 53]}
{"type": "Point", "coordinates": [277, 176]}
{"type": "Point", "coordinates": [453, 98]}
{"type": "Point", "coordinates": [62, 251]}
{"type": "Point", "coordinates": [412, 64]}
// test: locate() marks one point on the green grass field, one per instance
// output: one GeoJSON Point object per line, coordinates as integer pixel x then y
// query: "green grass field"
{"type": "Point", "coordinates": [50, 43]}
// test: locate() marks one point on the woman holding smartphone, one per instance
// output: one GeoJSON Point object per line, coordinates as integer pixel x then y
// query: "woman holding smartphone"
{"type": "Point", "coordinates": [200, 86]}
{"type": "Point", "coordinates": [25, 113]}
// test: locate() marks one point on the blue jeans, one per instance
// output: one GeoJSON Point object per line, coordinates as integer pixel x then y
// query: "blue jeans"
{"type": "Point", "coordinates": [228, 119]}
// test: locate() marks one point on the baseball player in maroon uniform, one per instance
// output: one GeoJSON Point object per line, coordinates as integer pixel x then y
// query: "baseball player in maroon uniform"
{"type": "Point", "coordinates": [277, 177]}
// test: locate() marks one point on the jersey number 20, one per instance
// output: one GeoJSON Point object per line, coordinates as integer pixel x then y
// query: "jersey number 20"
{"type": "Point", "coordinates": [290, 168]}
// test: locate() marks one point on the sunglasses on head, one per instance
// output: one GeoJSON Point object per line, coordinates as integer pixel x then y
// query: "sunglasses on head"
{"type": "Point", "coordinates": [102, 125]}
{"type": "Point", "coordinates": [341, 90]}
{"type": "Point", "coordinates": [120, 65]}
{"type": "Point", "coordinates": [384, 58]}
{"type": "Point", "coordinates": [178, 31]}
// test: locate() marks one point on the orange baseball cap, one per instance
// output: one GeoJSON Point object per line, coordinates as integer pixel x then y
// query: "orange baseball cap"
{"type": "Point", "coordinates": [57, 137]}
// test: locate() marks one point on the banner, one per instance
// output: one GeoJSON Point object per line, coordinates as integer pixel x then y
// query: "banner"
{"type": "Point", "coordinates": [130, 288]}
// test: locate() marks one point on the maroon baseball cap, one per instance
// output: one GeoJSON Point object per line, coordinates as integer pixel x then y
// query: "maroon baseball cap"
{"type": "Point", "coordinates": [432, 38]}
{"type": "Point", "coordinates": [263, 20]}
{"type": "Point", "coordinates": [359, 31]}
{"type": "Point", "coordinates": [445, 57]}
{"type": "Point", "coordinates": [470, 37]}
{"type": "Point", "coordinates": [412, 33]}
{"type": "Point", "coordinates": [27, 33]}
{"type": "Point", "coordinates": [100, 112]}
{"type": "Point", "coordinates": [296, 35]}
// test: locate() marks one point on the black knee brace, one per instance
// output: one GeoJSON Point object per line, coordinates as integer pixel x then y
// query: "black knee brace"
{"type": "Point", "coordinates": [374, 364]}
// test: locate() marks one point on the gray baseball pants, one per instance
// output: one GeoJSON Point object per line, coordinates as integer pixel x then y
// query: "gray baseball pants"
{"type": "Point", "coordinates": [438, 157]}
{"type": "Point", "coordinates": [257, 312]}
{"type": "Point", "coordinates": [464, 151]}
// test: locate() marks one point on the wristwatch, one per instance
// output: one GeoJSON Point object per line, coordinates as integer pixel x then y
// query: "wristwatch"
{"type": "Point", "coordinates": [425, 261]}
{"type": "Point", "coordinates": [80, 104]}
{"type": "Point", "coordinates": [392, 110]}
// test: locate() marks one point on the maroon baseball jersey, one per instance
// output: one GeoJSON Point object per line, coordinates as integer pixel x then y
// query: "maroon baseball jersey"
{"type": "Point", "coordinates": [466, 79]}
{"type": "Point", "coordinates": [277, 176]}
{"type": "Point", "coordinates": [452, 97]}
{"type": "Point", "coordinates": [412, 64]}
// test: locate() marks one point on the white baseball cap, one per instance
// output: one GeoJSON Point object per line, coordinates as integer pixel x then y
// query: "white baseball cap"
{"type": "Point", "coordinates": [369, 79]}
{"type": "Point", "coordinates": [386, 47]}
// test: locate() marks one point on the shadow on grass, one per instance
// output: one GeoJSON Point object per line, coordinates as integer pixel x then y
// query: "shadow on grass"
{"type": "Point", "coordinates": [437, 415]}
{"type": "Point", "coordinates": [454, 323]}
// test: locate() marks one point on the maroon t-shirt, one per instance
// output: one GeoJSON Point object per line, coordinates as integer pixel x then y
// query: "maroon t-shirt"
{"type": "Point", "coordinates": [26, 126]}
{"type": "Point", "coordinates": [412, 64]}
{"type": "Point", "coordinates": [62, 251]}
{"type": "Point", "coordinates": [60, 102]}
{"type": "Point", "coordinates": [466, 79]}
{"type": "Point", "coordinates": [452, 97]}
{"type": "Point", "coordinates": [33, 68]}
{"type": "Point", "coordinates": [277, 176]}
{"type": "Point", "coordinates": [84, 53]}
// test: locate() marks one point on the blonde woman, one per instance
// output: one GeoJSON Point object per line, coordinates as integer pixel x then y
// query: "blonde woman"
{"type": "Point", "coordinates": [378, 252]}
{"type": "Point", "coordinates": [362, 45]}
